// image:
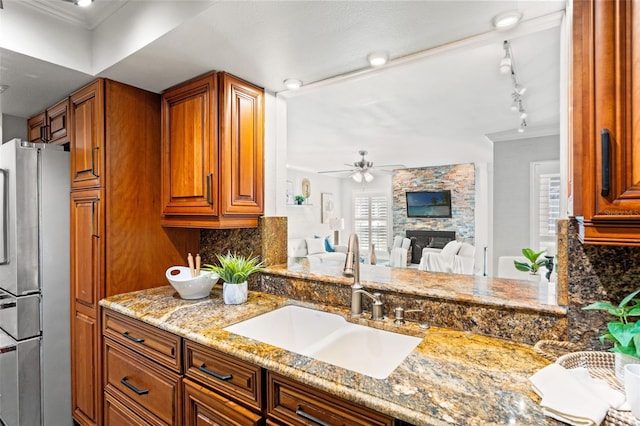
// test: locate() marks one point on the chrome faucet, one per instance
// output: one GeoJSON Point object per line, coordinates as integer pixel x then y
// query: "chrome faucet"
{"type": "Point", "coordinates": [352, 269]}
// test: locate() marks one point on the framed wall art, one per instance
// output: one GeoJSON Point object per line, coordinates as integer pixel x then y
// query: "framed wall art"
{"type": "Point", "coordinates": [328, 207]}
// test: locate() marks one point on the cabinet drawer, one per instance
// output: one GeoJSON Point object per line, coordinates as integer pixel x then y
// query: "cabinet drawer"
{"type": "Point", "coordinates": [131, 377]}
{"type": "Point", "coordinates": [293, 403]}
{"type": "Point", "coordinates": [118, 414]}
{"type": "Point", "coordinates": [158, 345]}
{"type": "Point", "coordinates": [227, 375]}
{"type": "Point", "coordinates": [202, 406]}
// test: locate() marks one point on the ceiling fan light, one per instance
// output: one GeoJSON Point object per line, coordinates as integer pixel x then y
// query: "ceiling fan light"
{"type": "Point", "coordinates": [377, 59]}
{"type": "Point", "coordinates": [506, 20]}
{"type": "Point", "coordinates": [505, 65]}
{"type": "Point", "coordinates": [368, 177]}
{"type": "Point", "coordinates": [357, 176]}
{"type": "Point", "coordinates": [292, 84]}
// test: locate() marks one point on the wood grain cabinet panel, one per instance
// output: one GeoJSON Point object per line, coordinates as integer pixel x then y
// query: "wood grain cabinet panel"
{"type": "Point", "coordinates": [84, 368]}
{"type": "Point", "coordinates": [205, 407]}
{"type": "Point", "coordinates": [605, 131]}
{"type": "Point", "coordinates": [58, 125]}
{"type": "Point", "coordinates": [118, 414]}
{"type": "Point", "coordinates": [87, 141]}
{"type": "Point", "coordinates": [155, 344]}
{"type": "Point", "coordinates": [213, 159]}
{"type": "Point", "coordinates": [226, 374]}
{"type": "Point", "coordinates": [87, 227]}
{"type": "Point", "coordinates": [294, 404]}
{"type": "Point", "coordinates": [141, 383]}
{"type": "Point", "coordinates": [36, 128]}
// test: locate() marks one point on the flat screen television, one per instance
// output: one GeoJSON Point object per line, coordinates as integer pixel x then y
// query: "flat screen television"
{"type": "Point", "coordinates": [429, 203]}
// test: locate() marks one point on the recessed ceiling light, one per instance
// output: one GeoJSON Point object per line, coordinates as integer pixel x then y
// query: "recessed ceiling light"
{"type": "Point", "coordinates": [83, 3]}
{"type": "Point", "coordinates": [507, 20]}
{"type": "Point", "coordinates": [292, 83]}
{"type": "Point", "coordinates": [377, 59]}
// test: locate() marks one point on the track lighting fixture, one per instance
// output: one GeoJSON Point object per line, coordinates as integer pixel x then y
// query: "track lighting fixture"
{"type": "Point", "coordinates": [507, 65]}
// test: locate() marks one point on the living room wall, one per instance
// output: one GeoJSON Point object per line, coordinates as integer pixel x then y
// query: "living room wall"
{"type": "Point", "coordinates": [305, 220]}
{"type": "Point", "coordinates": [459, 178]}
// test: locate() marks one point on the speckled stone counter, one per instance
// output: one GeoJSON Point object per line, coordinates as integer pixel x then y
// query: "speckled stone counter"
{"type": "Point", "coordinates": [515, 310]}
{"type": "Point", "coordinates": [452, 377]}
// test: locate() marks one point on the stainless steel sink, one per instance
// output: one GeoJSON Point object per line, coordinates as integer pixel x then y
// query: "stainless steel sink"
{"type": "Point", "coordinates": [330, 338]}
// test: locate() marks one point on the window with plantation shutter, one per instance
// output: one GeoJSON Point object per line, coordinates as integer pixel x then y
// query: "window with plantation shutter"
{"type": "Point", "coordinates": [545, 205]}
{"type": "Point", "coordinates": [371, 220]}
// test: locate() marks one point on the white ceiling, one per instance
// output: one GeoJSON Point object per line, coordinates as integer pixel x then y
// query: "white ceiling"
{"type": "Point", "coordinates": [446, 100]}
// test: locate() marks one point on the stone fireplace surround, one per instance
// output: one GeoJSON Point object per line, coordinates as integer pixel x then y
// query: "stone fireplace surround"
{"type": "Point", "coordinates": [421, 239]}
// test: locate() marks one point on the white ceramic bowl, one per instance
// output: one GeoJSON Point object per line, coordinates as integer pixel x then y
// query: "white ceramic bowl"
{"type": "Point", "coordinates": [191, 288]}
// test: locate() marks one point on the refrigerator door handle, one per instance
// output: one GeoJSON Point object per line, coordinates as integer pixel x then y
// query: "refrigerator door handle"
{"type": "Point", "coordinates": [4, 211]}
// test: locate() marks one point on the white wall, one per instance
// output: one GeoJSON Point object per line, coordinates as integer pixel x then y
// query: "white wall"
{"type": "Point", "coordinates": [13, 127]}
{"type": "Point", "coordinates": [305, 220]}
{"type": "Point", "coordinates": [511, 191]}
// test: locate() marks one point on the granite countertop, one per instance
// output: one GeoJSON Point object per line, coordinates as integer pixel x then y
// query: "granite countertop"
{"type": "Point", "coordinates": [498, 292]}
{"type": "Point", "coordinates": [452, 377]}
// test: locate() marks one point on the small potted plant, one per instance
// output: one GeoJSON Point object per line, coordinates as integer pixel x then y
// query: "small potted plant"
{"type": "Point", "coordinates": [234, 269]}
{"type": "Point", "coordinates": [299, 199]}
{"type": "Point", "coordinates": [624, 333]}
{"type": "Point", "coordinates": [535, 262]}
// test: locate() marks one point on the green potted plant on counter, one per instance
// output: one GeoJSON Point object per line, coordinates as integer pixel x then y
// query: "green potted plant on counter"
{"type": "Point", "coordinates": [299, 199]}
{"type": "Point", "coordinates": [624, 333]}
{"type": "Point", "coordinates": [234, 269]}
{"type": "Point", "coordinates": [534, 262]}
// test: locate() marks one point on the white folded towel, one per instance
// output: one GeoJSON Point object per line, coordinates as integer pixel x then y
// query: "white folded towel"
{"type": "Point", "coordinates": [573, 396]}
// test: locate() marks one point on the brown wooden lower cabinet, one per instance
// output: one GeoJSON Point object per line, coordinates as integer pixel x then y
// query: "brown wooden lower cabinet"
{"type": "Point", "coordinates": [154, 391]}
{"type": "Point", "coordinates": [293, 403]}
{"type": "Point", "coordinates": [203, 406]}
{"type": "Point", "coordinates": [118, 414]}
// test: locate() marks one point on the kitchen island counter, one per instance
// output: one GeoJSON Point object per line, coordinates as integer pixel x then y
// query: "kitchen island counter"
{"type": "Point", "coordinates": [452, 377]}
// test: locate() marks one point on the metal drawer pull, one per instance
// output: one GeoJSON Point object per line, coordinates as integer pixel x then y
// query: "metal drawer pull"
{"type": "Point", "coordinates": [605, 141]}
{"type": "Point", "coordinates": [7, 305]}
{"type": "Point", "coordinates": [130, 337]}
{"type": "Point", "coordinates": [310, 417]}
{"type": "Point", "coordinates": [133, 388]}
{"type": "Point", "coordinates": [205, 370]}
{"type": "Point", "coordinates": [7, 349]}
{"type": "Point", "coordinates": [209, 188]}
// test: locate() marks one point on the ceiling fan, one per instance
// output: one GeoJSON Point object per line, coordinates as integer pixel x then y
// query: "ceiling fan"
{"type": "Point", "coordinates": [361, 171]}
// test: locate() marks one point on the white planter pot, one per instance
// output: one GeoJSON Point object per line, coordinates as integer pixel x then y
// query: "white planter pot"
{"type": "Point", "coordinates": [535, 278]}
{"type": "Point", "coordinates": [234, 294]}
{"type": "Point", "coordinates": [620, 361]}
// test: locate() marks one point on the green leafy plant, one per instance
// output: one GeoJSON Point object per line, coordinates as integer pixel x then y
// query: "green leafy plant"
{"type": "Point", "coordinates": [624, 334]}
{"type": "Point", "coordinates": [235, 268]}
{"type": "Point", "coordinates": [299, 199]}
{"type": "Point", "coordinates": [534, 263]}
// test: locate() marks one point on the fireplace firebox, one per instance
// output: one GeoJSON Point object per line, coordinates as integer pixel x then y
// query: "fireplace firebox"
{"type": "Point", "coordinates": [421, 239]}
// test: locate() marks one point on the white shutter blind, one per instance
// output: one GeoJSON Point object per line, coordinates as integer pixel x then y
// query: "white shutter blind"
{"type": "Point", "coordinates": [371, 220]}
{"type": "Point", "coordinates": [549, 196]}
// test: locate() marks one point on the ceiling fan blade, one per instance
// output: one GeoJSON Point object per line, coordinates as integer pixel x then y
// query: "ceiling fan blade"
{"type": "Point", "coordinates": [336, 171]}
{"type": "Point", "coordinates": [395, 166]}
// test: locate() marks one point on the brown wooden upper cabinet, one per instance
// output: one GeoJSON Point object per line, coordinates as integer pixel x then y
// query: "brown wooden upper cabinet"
{"type": "Point", "coordinates": [51, 126]}
{"type": "Point", "coordinates": [87, 142]}
{"type": "Point", "coordinates": [605, 117]}
{"type": "Point", "coordinates": [212, 147]}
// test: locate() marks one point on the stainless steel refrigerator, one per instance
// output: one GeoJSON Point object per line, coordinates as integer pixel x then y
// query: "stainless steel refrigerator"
{"type": "Point", "coordinates": [35, 383]}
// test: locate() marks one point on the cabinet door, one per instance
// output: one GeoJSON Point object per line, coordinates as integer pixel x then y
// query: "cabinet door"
{"type": "Point", "coordinates": [35, 128]}
{"type": "Point", "coordinates": [58, 123]}
{"type": "Point", "coordinates": [85, 368]}
{"type": "Point", "coordinates": [205, 407]}
{"type": "Point", "coordinates": [241, 147]}
{"type": "Point", "coordinates": [87, 135]}
{"type": "Point", "coordinates": [86, 248]}
{"type": "Point", "coordinates": [605, 127]}
{"type": "Point", "coordinates": [189, 149]}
